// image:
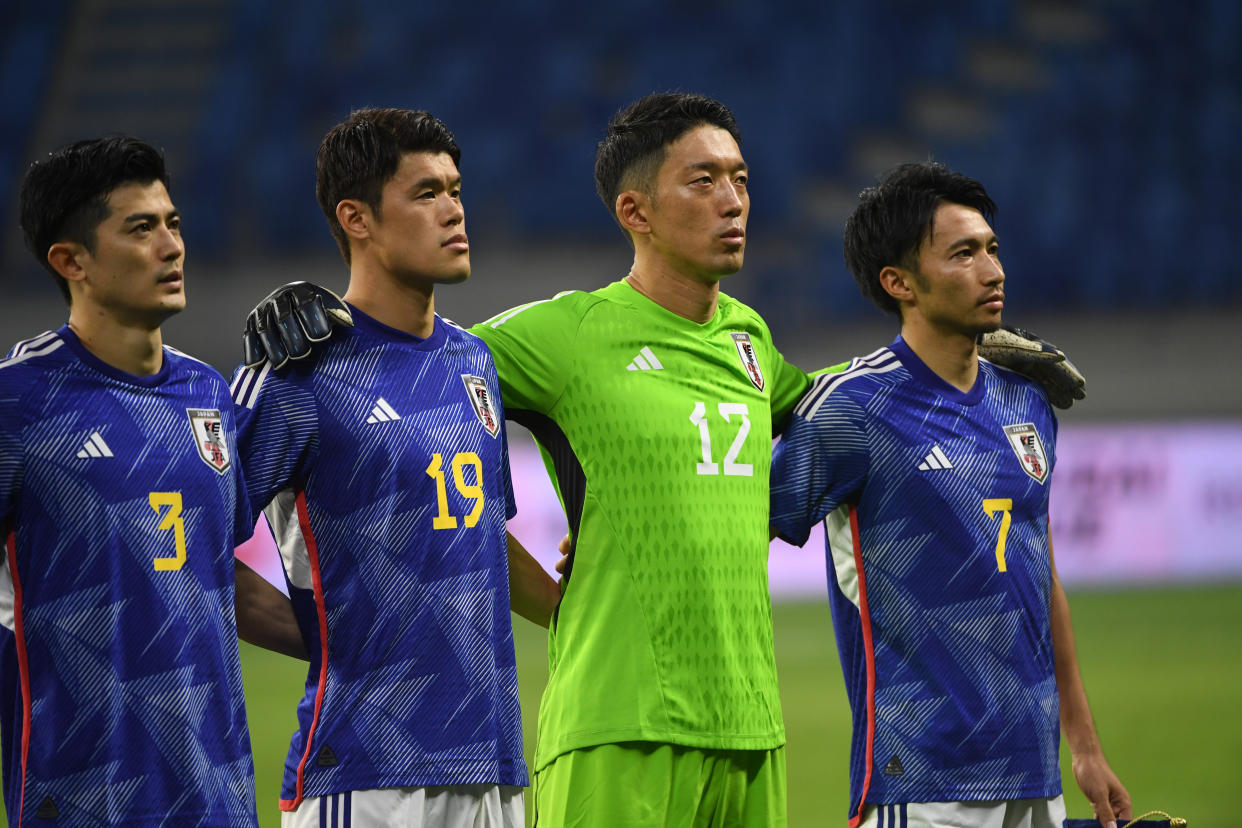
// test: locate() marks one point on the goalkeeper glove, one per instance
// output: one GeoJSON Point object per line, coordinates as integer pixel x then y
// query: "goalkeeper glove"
{"type": "Point", "coordinates": [285, 323]}
{"type": "Point", "coordinates": [1026, 353]}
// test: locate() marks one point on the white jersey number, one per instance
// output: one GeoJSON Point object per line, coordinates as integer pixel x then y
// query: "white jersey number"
{"type": "Point", "coordinates": [728, 411]}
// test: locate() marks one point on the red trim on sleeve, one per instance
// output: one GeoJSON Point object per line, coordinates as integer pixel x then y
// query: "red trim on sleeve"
{"type": "Point", "coordinates": [869, 649]}
{"type": "Point", "coordinates": [312, 552]}
{"type": "Point", "coordinates": [23, 664]}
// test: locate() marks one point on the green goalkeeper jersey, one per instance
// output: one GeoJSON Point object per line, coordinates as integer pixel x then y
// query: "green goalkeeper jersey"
{"type": "Point", "coordinates": [658, 433]}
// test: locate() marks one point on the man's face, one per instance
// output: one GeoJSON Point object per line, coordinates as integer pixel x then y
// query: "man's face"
{"type": "Point", "coordinates": [136, 269]}
{"type": "Point", "coordinates": [959, 284]}
{"type": "Point", "coordinates": [698, 215]}
{"type": "Point", "coordinates": [420, 232]}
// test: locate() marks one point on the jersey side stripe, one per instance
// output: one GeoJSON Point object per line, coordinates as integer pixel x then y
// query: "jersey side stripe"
{"type": "Point", "coordinates": [43, 350]}
{"type": "Point", "coordinates": [312, 551]}
{"type": "Point", "coordinates": [864, 615]}
{"type": "Point", "coordinates": [825, 384]}
{"type": "Point", "coordinates": [23, 665]}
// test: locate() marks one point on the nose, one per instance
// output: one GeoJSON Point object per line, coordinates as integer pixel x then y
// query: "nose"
{"type": "Point", "coordinates": [732, 201]}
{"type": "Point", "coordinates": [993, 272]}
{"type": "Point", "coordinates": [171, 246]}
{"type": "Point", "coordinates": [456, 213]}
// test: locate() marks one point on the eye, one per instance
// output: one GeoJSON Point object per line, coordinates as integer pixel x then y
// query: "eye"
{"type": "Point", "coordinates": [742, 180]}
{"type": "Point", "coordinates": [174, 225]}
{"type": "Point", "coordinates": [142, 227]}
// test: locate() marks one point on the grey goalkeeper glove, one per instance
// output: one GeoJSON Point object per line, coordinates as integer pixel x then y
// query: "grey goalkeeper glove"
{"type": "Point", "coordinates": [288, 320]}
{"type": "Point", "coordinates": [1038, 359]}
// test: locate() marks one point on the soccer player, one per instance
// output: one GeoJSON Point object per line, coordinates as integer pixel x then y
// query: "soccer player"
{"type": "Point", "coordinates": [653, 400]}
{"type": "Point", "coordinates": [386, 470]}
{"type": "Point", "coordinates": [931, 469]}
{"type": "Point", "coordinates": [121, 503]}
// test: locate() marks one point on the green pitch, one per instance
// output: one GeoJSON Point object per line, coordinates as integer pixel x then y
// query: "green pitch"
{"type": "Point", "coordinates": [1162, 669]}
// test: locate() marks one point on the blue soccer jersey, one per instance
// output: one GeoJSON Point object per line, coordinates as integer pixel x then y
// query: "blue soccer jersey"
{"type": "Point", "coordinates": [120, 685]}
{"type": "Point", "coordinates": [386, 470]}
{"type": "Point", "coordinates": [935, 505]}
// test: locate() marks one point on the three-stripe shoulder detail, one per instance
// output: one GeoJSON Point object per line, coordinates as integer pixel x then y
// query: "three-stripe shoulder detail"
{"type": "Point", "coordinates": [184, 355]}
{"type": "Point", "coordinates": [40, 345]}
{"type": "Point", "coordinates": [245, 387]}
{"type": "Point", "coordinates": [503, 317]}
{"type": "Point", "coordinates": [878, 362]}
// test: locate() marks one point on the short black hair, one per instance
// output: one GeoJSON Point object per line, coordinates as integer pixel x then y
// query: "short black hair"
{"type": "Point", "coordinates": [358, 157]}
{"type": "Point", "coordinates": [892, 219]}
{"type": "Point", "coordinates": [639, 135]}
{"type": "Point", "coordinates": [64, 197]}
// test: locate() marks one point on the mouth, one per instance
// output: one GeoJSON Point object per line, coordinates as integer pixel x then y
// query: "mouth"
{"type": "Point", "coordinates": [172, 279]}
{"type": "Point", "coordinates": [458, 242]}
{"type": "Point", "coordinates": [734, 237]}
{"type": "Point", "coordinates": [995, 301]}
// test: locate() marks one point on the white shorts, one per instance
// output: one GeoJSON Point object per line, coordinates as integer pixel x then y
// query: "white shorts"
{"type": "Point", "coordinates": [1010, 813]}
{"type": "Point", "coordinates": [446, 806]}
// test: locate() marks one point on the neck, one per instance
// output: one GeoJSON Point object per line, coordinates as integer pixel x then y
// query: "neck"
{"type": "Point", "coordinates": [408, 306]}
{"type": "Point", "coordinates": [686, 296]}
{"type": "Point", "coordinates": [135, 348]}
{"type": "Point", "coordinates": [954, 357]}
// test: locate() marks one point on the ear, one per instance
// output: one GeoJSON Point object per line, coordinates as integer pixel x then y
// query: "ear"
{"type": "Point", "coordinates": [632, 212]}
{"type": "Point", "coordinates": [355, 218]}
{"type": "Point", "coordinates": [898, 283]}
{"type": "Point", "coordinates": [69, 260]}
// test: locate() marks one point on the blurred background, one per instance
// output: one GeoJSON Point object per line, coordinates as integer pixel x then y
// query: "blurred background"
{"type": "Point", "coordinates": [1105, 130]}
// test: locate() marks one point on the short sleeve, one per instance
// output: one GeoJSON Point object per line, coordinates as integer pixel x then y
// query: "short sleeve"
{"type": "Point", "coordinates": [789, 384]}
{"type": "Point", "coordinates": [820, 463]}
{"type": "Point", "coordinates": [533, 348]}
{"type": "Point", "coordinates": [276, 433]}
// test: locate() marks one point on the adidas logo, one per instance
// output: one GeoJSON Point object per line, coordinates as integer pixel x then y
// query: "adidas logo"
{"type": "Point", "coordinates": [645, 361]}
{"type": "Point", "coordinates": [95, 447]}
{"type": "Point", "coordinates": [935, 459]}
{"type": "Point", "coordinates": [894, 767]}
{"type": "Point", "coordinates": [383, 412]}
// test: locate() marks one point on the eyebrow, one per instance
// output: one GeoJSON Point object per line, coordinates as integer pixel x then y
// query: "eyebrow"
{"type": "Point", "coordinates": [432, 182]}
{"type": "Point", "coordinates": [715, 165]}
{"type": "Point", "coordinates": [132, 217]}
{"type": "Point", "coordinates": [973, 242]}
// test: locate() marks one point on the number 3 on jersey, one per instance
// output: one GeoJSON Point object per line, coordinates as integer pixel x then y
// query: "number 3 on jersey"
{"type": "Point", "coordinates": [169, 520]}
{"type": "Point", "coordinates": [727, 411]}
{"type": "Point", "coordinates": [444, 520]}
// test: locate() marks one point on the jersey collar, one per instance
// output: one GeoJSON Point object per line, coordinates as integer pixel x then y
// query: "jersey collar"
{"type": "Point", "coordinates": [921, 373]}
{"type": "Point", "coordinates": [95, 363]}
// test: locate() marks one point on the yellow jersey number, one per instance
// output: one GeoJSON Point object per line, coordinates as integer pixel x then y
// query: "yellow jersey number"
{"type": "Point", "coordinates": [170, 519]}
{"type": "Point", "coordinates": [1004, 505]}
{"type": "Point", "coordinates": [470, 491]}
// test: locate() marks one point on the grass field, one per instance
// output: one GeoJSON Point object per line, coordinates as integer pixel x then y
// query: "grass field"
{"type": "Point", "coordinates": [1163, 670]}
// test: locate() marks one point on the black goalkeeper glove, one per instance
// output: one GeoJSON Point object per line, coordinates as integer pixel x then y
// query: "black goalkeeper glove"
{"type": "Point", "coordinates": [285, 323]}
{"type": "Point", "coordinates": [1026, 353]}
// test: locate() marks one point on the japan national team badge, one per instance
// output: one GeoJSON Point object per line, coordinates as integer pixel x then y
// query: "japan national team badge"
{"type": "Point", "coordinates": [1025, 442]}
{"type": "Point", "coordinates": [750, 362]}
{"type": "Point", "coordinates": [481, 398]}
{"type": "Point", "coordinates": [209, 437]}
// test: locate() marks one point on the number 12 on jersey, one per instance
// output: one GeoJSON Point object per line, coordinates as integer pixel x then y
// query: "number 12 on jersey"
{"type": "Point", "coordinates": [727, 411]}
